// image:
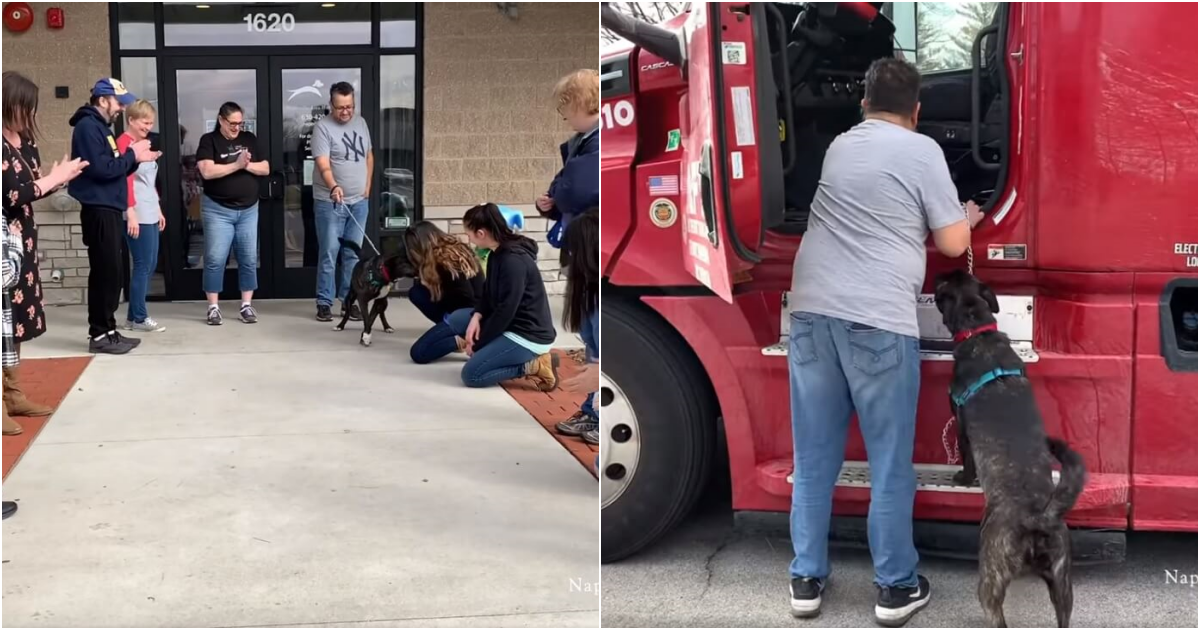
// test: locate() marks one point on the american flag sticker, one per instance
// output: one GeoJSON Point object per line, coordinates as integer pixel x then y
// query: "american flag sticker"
{"type": "Point", "coordinates": [664, 185]}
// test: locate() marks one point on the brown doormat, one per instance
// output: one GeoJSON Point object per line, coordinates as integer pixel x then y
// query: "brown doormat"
{"type": "Point", "coordinates": [550, 408]}
{"type": "Point", "coordinates": [46, 381]}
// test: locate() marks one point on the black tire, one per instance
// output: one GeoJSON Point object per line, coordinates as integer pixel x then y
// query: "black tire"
{"type": "Point", "coordinates": [677, 418]}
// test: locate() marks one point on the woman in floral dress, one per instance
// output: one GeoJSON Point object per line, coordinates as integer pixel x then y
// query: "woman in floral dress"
{"type": "Point", "coordinates": [24, 183]}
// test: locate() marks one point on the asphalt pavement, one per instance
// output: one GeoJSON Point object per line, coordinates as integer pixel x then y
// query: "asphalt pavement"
{"type": "Point", "coordinates": [709, 574]}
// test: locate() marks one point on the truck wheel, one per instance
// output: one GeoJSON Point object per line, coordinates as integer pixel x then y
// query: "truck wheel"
{"type": "Point", "coordinates": [658, 427]}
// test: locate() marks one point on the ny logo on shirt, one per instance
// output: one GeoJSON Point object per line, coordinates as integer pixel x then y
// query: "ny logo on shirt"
{"type": "Point", "coordinates": [356, 146]}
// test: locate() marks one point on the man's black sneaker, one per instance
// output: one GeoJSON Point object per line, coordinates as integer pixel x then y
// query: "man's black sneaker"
{"type": "Point", "coordinates": [324, 313]}
{"type": "Point", "coordinates": [577, 424]}
{"type": "Point", "coordinates": [898, 604]}
{"type": "Point", "coordinates": [806, 597]}
{"type": "Point", "coordinates": [214, 316]}
{"type": "Point", "coordinates": [591, 437]}
{"type": "Point", "coordinates": [108, 344]}
{"type": "Point", "coordinates": [355, 312]}
{"type": "Point", "coordinates": [132, 342]}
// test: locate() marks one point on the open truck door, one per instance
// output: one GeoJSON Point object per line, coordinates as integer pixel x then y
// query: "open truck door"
{"type": "Point", "coordinates": [726, 132]}
{"type": "Point", "coordinates": [730, 132]}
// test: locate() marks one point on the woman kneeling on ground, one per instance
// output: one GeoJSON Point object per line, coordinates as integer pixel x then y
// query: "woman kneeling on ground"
{"type": "Point", "coordinates": [448, 273]}
{"type": "Point", "coordinates": [448, 279]}
{"type": "Point", "coordinates": [509, 333]}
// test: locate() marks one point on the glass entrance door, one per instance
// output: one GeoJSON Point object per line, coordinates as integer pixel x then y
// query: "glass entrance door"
{"type": "Point", "coordinates": [299, 98]}
{"type": "Point", "coordinates": [281, 98]}
{"type": "Point", "coordinates": [192, 95]}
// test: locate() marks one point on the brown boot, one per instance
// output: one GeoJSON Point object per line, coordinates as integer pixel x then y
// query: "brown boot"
{"type": "Point", "coordinates": [15, 402]}
{"type": "Point", "coordinates": [11, 427]}
{"type": "Point", "coordinates": [543, 371]}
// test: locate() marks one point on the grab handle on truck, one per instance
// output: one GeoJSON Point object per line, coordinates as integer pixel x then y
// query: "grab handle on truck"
{"type": "Point", "coordinates": [976, 81]}
{"type": "Point", "coordinates": [660, 41]}
{"type": "Point", "coordinates": [789, 144]}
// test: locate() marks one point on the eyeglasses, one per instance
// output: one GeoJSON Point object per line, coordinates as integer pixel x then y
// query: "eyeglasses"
{"type": "Point", "coordinates": [233, 125]}
{"type": "Point", "coordinates": [344, 108]}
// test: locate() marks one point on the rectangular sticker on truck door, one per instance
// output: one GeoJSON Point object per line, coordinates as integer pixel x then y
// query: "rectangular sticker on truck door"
{"type": "Point", "coordinates": [1006, 252]}
{"type": "Point", "coordinates": [743, 116]}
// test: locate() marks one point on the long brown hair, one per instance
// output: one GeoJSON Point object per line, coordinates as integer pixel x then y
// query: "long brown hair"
{"type": "Point", "coordinates": [581, 251]}
{"type": "Point", "coordinates": [431, 249]}
{"type": "Point", "coordinates": [20, 104]}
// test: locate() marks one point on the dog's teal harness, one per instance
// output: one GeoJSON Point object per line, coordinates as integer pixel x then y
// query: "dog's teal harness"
{"type": "Point", "coordinates": [961, 398]}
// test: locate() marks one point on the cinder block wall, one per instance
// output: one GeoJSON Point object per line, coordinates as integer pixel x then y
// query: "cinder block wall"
{"type": "Point", "coordinates": [73, 57]}
{"type": "Point", "coordinates": [490, 125]}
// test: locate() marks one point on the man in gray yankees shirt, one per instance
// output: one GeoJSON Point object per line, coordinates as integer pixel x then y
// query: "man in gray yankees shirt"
{"type": "Point", "coordinates": [341, 146]}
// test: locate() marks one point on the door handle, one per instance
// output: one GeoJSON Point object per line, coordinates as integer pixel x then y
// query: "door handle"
{"type": "Point", "coordinates": [275, 184]}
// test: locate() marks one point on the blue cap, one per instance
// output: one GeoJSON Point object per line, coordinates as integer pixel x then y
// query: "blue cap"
{"type": "Point", "coordinates": [113, 87]}
{"type": "Point", "coordinates": [513, 217]}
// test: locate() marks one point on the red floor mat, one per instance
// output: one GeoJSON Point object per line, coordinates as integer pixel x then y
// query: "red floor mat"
{"type": "Point", "coordinates": [551, 408]}
{"type": "Point", "coordinates": [46, 381]}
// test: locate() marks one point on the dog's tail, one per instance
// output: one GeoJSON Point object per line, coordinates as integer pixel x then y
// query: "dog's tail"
{"type": "Point", "coordinates": [351, 245]}
{"type": "Point", "coordinates": [1070, 485]}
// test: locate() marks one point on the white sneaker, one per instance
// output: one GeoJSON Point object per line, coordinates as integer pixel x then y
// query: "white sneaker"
{"type": "Point", "coordinates": [148, 325]}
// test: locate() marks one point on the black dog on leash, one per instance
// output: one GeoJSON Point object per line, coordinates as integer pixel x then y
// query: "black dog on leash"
{"type": "Point", "coordinates": [370, 283]}
{"type": "Point", "coordinates": [1003, 442]}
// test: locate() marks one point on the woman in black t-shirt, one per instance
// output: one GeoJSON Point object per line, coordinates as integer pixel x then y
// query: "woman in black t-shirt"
{"type": "Point", "coordinates": [230, 163]}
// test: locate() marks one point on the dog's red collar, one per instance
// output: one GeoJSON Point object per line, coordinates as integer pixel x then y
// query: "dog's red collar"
{"type": "Point", "coordinates": [964, 335]}
{"type": "Point", "coordinates": [383, 271]}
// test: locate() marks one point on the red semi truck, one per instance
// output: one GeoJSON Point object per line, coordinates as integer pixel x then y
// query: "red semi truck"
{"type": "Point", "coordinates": [1074, 128]}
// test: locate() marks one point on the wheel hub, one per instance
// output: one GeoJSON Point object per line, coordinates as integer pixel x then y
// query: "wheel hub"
{"type": "Point", "coordinates": [620, 441]}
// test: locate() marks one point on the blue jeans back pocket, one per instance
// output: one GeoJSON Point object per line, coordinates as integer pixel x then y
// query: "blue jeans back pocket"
{"type": "Point", "coordinates": [872, 350]}
{"type": "Point", "coordinates": [803, 348]}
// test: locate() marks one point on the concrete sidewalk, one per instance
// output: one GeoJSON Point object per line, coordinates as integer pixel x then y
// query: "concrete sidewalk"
{"type": "Point", "coordinates": [281, 474]}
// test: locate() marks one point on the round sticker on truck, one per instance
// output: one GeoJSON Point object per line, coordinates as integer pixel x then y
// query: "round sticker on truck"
{"type": "Point", "coordinates": [663, 213]}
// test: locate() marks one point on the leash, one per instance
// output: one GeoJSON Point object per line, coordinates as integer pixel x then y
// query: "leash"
{"type": "Point", "coordinates": [970, 251]}
{"type": "Point", "coordinates": [338, 206]}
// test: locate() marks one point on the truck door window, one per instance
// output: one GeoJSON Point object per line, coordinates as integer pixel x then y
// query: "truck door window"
{"type": "Point", "coordinates": [938, 36]}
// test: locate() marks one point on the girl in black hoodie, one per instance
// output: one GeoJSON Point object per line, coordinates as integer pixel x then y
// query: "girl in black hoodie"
{"type": "Point", "coordinates": [511, 330]}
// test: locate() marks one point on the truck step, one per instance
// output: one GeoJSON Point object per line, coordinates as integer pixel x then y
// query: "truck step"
{"type": "Point", "coordinates": [1103, 491]}
{"type": "Point", "coordinates": [1025, 352]}
{"type": "Point", "coordinates": [930, 477]}
{"type": "Point", "coordinates": [1015, 319]}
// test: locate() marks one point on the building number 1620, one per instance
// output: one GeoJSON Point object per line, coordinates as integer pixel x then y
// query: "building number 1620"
{"type": "Point", "coordinates": [270, 22]}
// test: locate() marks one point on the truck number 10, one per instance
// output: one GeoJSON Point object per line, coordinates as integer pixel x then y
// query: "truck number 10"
{"type": "Point", "coordinates": [620, 113]}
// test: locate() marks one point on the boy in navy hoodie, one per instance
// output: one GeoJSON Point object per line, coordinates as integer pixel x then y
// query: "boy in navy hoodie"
{"type": "Point", "coordinates": [103, 192]}
{"type": "Point", "coordinates": [577, 186]}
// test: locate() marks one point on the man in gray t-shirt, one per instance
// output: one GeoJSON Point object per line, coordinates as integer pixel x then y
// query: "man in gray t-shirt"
{"type": "Point", "coordinates": [345, 163]}
{"type": "Point", "coordinates": [854, 339]}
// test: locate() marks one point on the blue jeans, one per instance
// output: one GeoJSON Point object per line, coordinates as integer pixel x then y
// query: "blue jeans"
{"type": "Point", "coordinates": [591, 339]}
{"type": "Point", "coordinates": [837, 367]}
{"type": "Point", "coordinates": [500, 360]}
{"type": "Point", "coordinates": [334, 222]}
{"type": "Point", "coordinates": [144, 251]}
{"type": "Point", "coordinates": [421, 298]}
{"type": "Point", "coordinates": [223, 227]}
